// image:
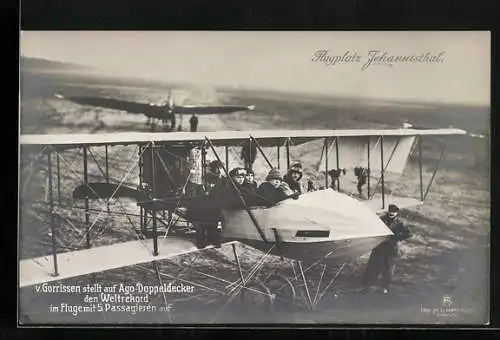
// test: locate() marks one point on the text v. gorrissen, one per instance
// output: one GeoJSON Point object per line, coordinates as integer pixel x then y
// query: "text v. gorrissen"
{"type": "Point", "coordinates": [111, 297]}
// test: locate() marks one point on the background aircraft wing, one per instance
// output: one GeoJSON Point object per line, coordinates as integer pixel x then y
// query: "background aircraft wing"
{"type": "Point", "coordinates": [115, 104]}
{"type": "Point", "coordinates": [211, 109]}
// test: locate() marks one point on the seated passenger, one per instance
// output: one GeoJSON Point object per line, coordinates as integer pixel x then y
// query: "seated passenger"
{"type": "Point", "coordinates": [238, 176]}
{"type": "Point", "coordinates": [211, 181]}
{"type": "Point", "coordinates": [214, 167]}
{"type": "Point", "coordinates": [293, 176]}
{"type": "Point", "coordinates": [222, 196]}
{"type": "Point", "coordinates": [250, 184]}
{"type": "Point", "coordinates": [273, 190]}
{"type": "Point", "coordinates": [193, 189]}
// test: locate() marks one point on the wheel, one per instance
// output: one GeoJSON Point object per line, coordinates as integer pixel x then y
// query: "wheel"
{"type": "Point", "coordinates": [256, 297]}
{"type": "Point", "coordinates": [282, 289]}
{"type": "Point", "coordinates": [200, 237]}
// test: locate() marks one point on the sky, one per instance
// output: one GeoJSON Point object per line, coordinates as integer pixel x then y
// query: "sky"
{"type": "Point", "coordinates": [286, 61]}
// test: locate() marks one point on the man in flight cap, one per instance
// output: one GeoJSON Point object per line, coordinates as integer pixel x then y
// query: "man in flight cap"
{"type": "Point", "coordinates": [293, 177]}
{"type": "Point", "coordinates": [273, 190]}
{"type": "Point", "coordinates": [222, 196]}
{"type": "Point", "coordinates": [381, 262]}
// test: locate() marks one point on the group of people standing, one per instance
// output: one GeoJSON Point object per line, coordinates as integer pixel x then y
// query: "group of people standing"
{"type": "Point", "coordinates": [360, 173]}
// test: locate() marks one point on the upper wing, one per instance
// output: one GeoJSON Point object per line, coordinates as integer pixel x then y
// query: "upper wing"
{"type": "Point", "coordinates": [115, 104]}
{"type": "Point", "coordinates": [211, 109]}
{"type": "Point", "coordinates": [223, 138]}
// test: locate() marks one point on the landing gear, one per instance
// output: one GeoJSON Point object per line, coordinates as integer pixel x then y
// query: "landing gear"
{"type": "Point", "coordinates": [282, 290]}
{"type": "Point", "coordinates": [277, 292]}
{"type": "Point", "coordinates": [201, 236]}
{"type": "Point", "coordinates": [256, 297]}
{"type": "Point", "coordinates": [208, 234]}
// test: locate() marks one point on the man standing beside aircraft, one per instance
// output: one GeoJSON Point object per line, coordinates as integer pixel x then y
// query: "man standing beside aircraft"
{"type": "Point", "coordinates": [382, 258]}
{"type": "Point", "coordinates": [222, 196]}
{"type": "Point", "coordinates": [194, 123]}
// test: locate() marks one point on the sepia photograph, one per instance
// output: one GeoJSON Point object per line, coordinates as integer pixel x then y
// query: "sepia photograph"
{"type": "Point", "coordinates": [242, 177]}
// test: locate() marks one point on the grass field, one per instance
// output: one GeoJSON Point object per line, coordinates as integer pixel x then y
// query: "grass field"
{"type": "Point", "coordinates": [447, 255]}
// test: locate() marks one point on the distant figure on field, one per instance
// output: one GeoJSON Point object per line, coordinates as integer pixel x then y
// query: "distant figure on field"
{"type": "Point", "coordinates": [335, 175]}
{"type": "Point", "coordinates": [310, 186]}
{"type": "Point", "coordinates": [381, 262]}
{"type": "Point", "coordinates": [362, 175]}
{"type": "Point", "coordinates": [194, 123]}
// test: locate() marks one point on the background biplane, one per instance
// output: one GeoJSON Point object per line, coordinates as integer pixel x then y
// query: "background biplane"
{"type": "Point", "coordinates": [162, 112]}
{"type": "Point", "coordinates": [321, 227]}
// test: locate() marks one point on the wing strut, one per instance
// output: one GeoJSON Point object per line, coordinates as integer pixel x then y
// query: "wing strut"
{"type": "Point", "coordinates": [261, 151]}
{"type": "Point", "coordinates": [441, 157]}
{"type": "Point", "coordinates": [325, 150]}
{"type": "Point", "coordinates": [384, 168]}
{"type": "Point", "coordinates": [226, 150]}
{"type": "Point", "coordinates": [86, 182]}
{"type": "Point", "coordinates": [58, 169]}
{"type": "Point", "coordinates": [369, 172]}
{"type": "Point", "coordinates": [153, 212]}
{"type": "Point", "coordinates": [51, 202]}
{"type": "Point", "coordinates": [337, 159]}
{"type": "Point", "coordinates": [287, 145]}
{"type": "Point", "coordinates": [278, 152]}
{"type": "Point", "coordinates": [252, 217]}
{"type": "Point", "coordinates": [278, 242]}
{"type": "Point", "coordinates": [420, 168]}
{"type": "Point", "coordinates": [107, 171]}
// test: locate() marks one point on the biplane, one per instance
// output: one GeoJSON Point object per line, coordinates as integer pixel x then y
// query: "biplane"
{"type": "Point", "coordinates": [156, 113]}
{"type": "Point", "coordinates": [321, 226]}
